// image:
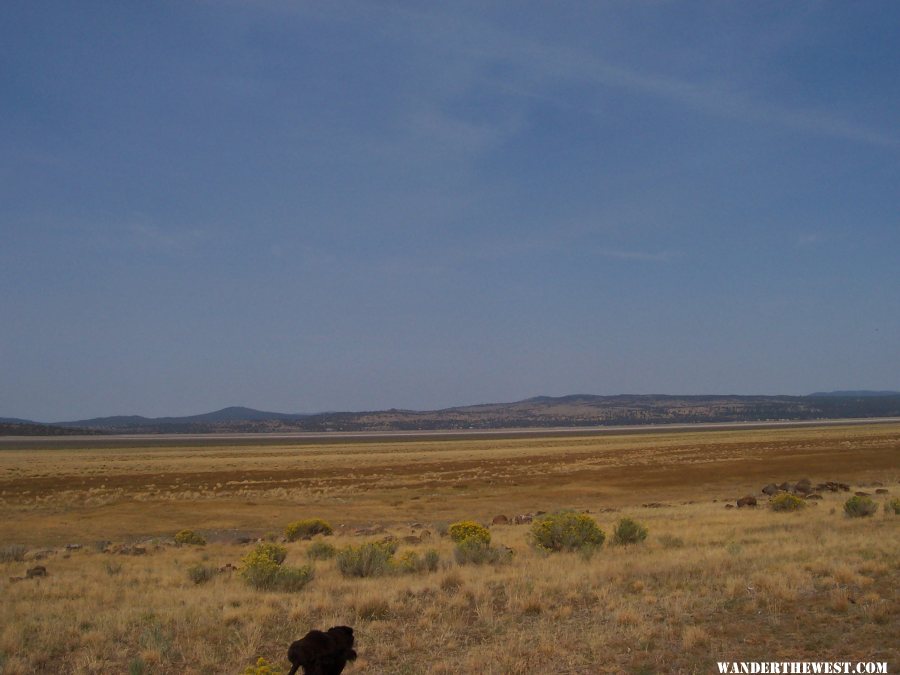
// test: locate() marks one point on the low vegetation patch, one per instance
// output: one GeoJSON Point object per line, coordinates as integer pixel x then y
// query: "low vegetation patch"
{"type": "Point", "coordinates": [200, 574]}
{"type": "Point", "coordinates": [474, 551]}
{"type": "Point", "coordinates": [469, 529]}
{"type": "Point", "coordinates": [785, 501]}
{"type": "Point", "coordinates": [321, 550]}
{"type": "Point", "coordinates": [893, 506]}
{"type": "Point", "coordinates": [629, 531]}
{"type": "Point", "coordinates": [566, 531]}
{"type": "Point", "coordinates": [263, 568]}
{"type": "Point", "coordinates": [307, 528]}
{"type": "Point", "coordinates": [262, 667]}
{"type": "Point", "coordinates": [411, 562]}
{"type": "Point", "coordinates": [189, 538]}
{"type": "Point", "coordinates": [12, 553]}
{"type": "Point", "coordinates": [371, 559]}
{"type": "Point", "coordinates": [860, 507]}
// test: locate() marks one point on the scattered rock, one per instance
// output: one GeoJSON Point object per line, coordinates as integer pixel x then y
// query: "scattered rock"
{"type": "Point", "coordinates": [770, 489]}
{"type": "Point", "coordinates": [813, 495]}
{"type": "Point", "coordinates": [803, 486]}
{"type": "Point", "coordinates": [749, 500]}
{"type": "Point", "coordinates": [73, 547]}
{"type": "Point", "coordinates": [367, 531]}
{"type": "Point", "coordinates": [882, 491]}
{"type": "Point", "coordinates": [500, 520]}
{"type": "Point", "coordinates": [523, 519]}
{"type": "Point", "coordinates": [729, 506]}
{"type": "Point", "coordinates": [860, 493]}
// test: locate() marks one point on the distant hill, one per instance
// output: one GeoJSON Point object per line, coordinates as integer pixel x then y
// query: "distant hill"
{"type": "Point", "coordinates": [541, 411]}
{"type": "Point", "coordinates": [860, 393]}
{"type": "Point", "coordinates": [235, 414]}
{"type": "Point", "coordinates": [10, 427]}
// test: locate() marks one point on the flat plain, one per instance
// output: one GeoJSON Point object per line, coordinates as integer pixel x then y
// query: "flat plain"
{"type": "Point", "coordinates": [708, 584]}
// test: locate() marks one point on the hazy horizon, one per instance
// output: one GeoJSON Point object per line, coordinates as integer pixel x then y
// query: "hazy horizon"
{"type": "Point", "coordinates": [315, 207]}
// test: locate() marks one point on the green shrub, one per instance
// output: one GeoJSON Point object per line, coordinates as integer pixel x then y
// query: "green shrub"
{"type": "Point", "coordinates": [307, 528]}
{"type": "Point", "coordinates": [262, 667]}
{"type": "Point", "coordinates": [469, 529]}
{"type": "Point", "coordinates": [566, 531]}
{"type": "Point", "coordinates": [321, 550]}
{"type": "Point", "coordinates": [860, 507]}
{"type": "Point", "coordinates": [274, 551]}
{"type": "Point", "coordinates": [475, 551]}
{"type": "Point", "coordinates": [371, 559]}
{"type": "Point", "coordinates": [262, 568]}
{"type": "Point", "coordinates": [200, 574]}
{"type": "Point", "coordinates": [432, 560]}
{"type": "Point", "coordinates": [785, 501]}
{"type": "Point", "coordinates": [189, 537]}
{"type": "Point", "coordinates": [12, 553]}
{"type": "Point", "coordinates": [412, 563]}
{"type": "Point", "coordinates": [892, 506]}
{"type": "Point", "coordinates": [292, 579]}
{"type": "Point", "coordinates": [629, 531]}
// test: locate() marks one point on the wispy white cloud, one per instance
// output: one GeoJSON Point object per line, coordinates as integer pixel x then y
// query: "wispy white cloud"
{"type": "Point", "coordinates": [809, 239]}
{"type": "Point", "coordinates": [539, 64]}
{"type": "Point", "coordinates": [148, 238]}
{"type": "Point", "coordinates": [638, 256]}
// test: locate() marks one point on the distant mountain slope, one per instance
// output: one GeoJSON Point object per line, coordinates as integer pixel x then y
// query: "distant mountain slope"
{"type": "Point", "coordinates": [860, 393]}
{"type": "Point", "coordinates": [25, 428]}
{"type": "Point", "coordinates": [235, 414]}
{"type": "Point", "coordinates": [540, 411]}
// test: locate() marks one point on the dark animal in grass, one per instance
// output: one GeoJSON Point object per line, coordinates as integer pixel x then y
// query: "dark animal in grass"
{"type": "Point", "coordinates": [322, 653]}
{"type": "Point", "coordinates": [36, 571]}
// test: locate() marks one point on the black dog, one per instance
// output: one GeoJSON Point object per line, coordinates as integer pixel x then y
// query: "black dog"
{"type": "Point", "coordinates": [321, 653]}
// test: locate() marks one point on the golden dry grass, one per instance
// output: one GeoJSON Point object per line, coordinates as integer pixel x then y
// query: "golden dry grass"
{"type": "Point", "coordinates": [709, 583]}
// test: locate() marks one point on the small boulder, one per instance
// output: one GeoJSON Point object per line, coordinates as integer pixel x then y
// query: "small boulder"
{"type": "Point", "coordinates": [500, 520]}
{"type": "Point", "coordinates": [770, 489]}
{"type": "Point", "coordinates": [749, 500]}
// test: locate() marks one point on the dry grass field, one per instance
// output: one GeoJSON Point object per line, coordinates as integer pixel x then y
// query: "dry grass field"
{"type": "Point", "coordinates": [708, 584]}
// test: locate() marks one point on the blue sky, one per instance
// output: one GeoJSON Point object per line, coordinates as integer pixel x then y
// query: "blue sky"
{"type": "Point", "coordinates": [305, 206]}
